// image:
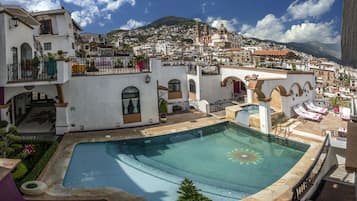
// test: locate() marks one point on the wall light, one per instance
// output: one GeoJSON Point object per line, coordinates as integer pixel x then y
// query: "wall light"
{"type": "Point", "coordinates": [14, 22]}
{"type": "Point", "coordinates": [147, 79]}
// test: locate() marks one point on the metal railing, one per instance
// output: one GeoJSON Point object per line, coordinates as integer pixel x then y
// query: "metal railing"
{"type": "Point", "coordinates": [45, 71]}
{"type": "Point", "coordinates": [106, 66]}
{"type": "Point", "coordinates": [308, 180]}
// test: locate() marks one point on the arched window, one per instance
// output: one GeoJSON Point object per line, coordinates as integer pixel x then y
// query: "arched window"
{"type": "Point", "coordinates": [131, 100]}
{"type": "Point", "coordinates": [174, 85]}
{"type": "Point", "coordinates": [26, 56]}
{"type": "Point", "coordinates": [192, 86]}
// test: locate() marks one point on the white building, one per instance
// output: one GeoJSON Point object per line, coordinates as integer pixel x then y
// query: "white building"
{"type": "Point", "coordinates": [57, 31]}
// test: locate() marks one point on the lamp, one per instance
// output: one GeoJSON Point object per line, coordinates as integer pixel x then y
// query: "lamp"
{"type": "Point", "coordinates": [14, 22]}
{"type": "Point", "coordinates": [147, 79]}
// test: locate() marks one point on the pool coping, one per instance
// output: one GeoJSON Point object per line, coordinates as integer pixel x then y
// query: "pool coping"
{"type": "Point", "coordinates": [54, 172]}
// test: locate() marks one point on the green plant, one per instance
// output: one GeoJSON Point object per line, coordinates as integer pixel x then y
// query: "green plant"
{"type": "Point", "coordinates": [3, 124]}
{"type": "Point", "coordinates": [20, 171]}
{"type": "Point", "coordinates": [118, 63]}
{"type": "Point", "coordinates": [40, 165]}
{"type": "Point", "coordinates": [163, 107]}
{"type": "Point", "coordinates": [35, 62]}
{"type": "Point", "coordinates": [8, 144]}
{"type": "Point", "coordinates": [189, 192]}
{"type": "Point", "coordinates": [293, 67]}
{"type": "Point", "coordinates": [50, 57]}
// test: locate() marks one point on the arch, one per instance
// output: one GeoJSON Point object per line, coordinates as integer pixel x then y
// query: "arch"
{"type": "Point", "coordinates": [192, 86]}
{"type": "Point", "coordinates": [225, 81]}
{"type": "Point", "coordinates": [130, 100]}
{"type": "Point", "coordinates": [26, 52]}
{"type": "Point", "coordinates": [174, 85]}
{"type": "Point", "coordinates": [281, 89]}
{"type": "Point", "coordinates": [300, 91]}
{"type": "Point", "coordinates": [308, 83]}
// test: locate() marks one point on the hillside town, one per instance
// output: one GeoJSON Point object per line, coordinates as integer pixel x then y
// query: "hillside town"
{"type": "Point", "coordinates": [109, 113]}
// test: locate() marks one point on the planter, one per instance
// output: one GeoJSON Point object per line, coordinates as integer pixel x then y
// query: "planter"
{"type": "Point", "coordinates": [33, 188]}
{"type": "Point", "coordinates": [163, 118]}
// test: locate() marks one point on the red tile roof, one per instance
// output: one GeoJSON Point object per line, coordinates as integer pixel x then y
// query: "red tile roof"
{"type": "Point", "coordinates": [272, 52]}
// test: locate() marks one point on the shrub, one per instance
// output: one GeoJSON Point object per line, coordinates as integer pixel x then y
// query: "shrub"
{"type": "Point", "coordinates": [189, 192]}
{"type": "Point", "coordinates": [36, 171]}
{"type": "Point", "coordinates": [163, 107]}
{"type": "Point", "coordinates": [20, 171]}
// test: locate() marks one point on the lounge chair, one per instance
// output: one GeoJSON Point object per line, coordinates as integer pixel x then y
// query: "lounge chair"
{"type": "Point", "coordinates": [301, 112]}
{"type": "Point", "coordinates": [312, 107]}
{"type": "Point", "coordinates": [346, 114]}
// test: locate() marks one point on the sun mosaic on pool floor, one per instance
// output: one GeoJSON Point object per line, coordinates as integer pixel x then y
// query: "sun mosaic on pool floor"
{"type": "Point", "coordinates": [245, 156]}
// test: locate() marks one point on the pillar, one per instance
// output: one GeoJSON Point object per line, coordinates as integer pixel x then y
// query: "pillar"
{"type": "Point", "coordinates": [4, 112]}
{"type": "Point", "coordinates": [62, 121]}
{"type": "Point", "coordinates": [285, 106]}
{"type": "Point", "coordinates": [250, 95]}
{"type": "Point", "coordinates": [265, 118]}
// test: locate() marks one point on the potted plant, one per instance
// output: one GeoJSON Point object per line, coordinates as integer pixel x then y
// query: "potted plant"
{"type": "Point", "coordinates": [33, 187]}
{"type": "Point", "coordinates": [163, 111]}
{"type": "Point", "coordinates": [60, 56]}
{"type": "Point", "coordinates": [335, 102]}
{"type": "Point", "coordinates": [35, 65]}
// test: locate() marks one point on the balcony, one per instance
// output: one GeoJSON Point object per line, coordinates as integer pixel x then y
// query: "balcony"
{"type": "Point", "coordinates": [56, 72]}
{"type": "Point", "coordinates": [107, 66]}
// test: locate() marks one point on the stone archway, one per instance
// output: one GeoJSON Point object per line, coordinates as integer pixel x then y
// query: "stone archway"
{"type": "Point", "coordinates": [32, 112]}
{"type": "Point", "coordinates": [239, 87]}
{"type": "Point", "coordinates": [299, 91]}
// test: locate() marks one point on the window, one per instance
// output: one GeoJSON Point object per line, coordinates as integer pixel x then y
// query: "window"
{"type": "Point", "coordinates": [72, 45]}
{"type": "Point", "coordinates": [174, 86]}
{"type": "Point", "coordinates": [46, 27]}
{"type": "Point", "coordinates": [47, 46]}
{"type": "Point", "coordinates": [131, 101]}
{"type": "Point", "coordinates": [14, 55]}
{"type": "Point", "coordinates": [192, 86]}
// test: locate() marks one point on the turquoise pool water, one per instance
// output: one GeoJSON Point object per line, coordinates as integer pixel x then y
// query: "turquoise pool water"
{"type": "Point", "coordinates": [226, 161]}
{"type": "Point", "coordinates": [247, 110]}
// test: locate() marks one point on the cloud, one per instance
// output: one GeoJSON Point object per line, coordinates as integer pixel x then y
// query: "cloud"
{"type": "Point", "coordinates": [132, 24]}
{"type": "Point", "coordinates": [309, 8]}
{"type": "Point", "coordinates": [197, 19]}
{"type": "Point", "coordinates": [205, 4]}
{"type": "Point", "coordinates": [101, 24]}
{"type": "Point", "coordinates": [35, 5]}
{"type": "Point", "coordinates": [217, 21]}
{"type": "Point", "coordinates": [272, 28]}
{"type": "Point", "coordinates": [86, 12]}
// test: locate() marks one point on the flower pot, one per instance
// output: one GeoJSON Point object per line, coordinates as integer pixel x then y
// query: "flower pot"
{"type": "Point", "coordinates": [163, 118]}
{"type": "Point", "coordinates": [33, 188]}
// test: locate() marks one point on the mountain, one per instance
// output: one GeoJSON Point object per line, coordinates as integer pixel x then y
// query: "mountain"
{"type": "Point", "coordinates": [170, 20]}
{"type": "Point", "coordinates": [317, 49]}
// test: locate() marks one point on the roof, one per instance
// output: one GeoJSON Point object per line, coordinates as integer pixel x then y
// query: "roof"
{"type": "Point", "coordinates": [272, 52]}
{"type": "Point", "coordinates": [351, 150]}
{"type": "Point", "coordinates": [50, 12]}
{"type": "Point", "coordinates": [6, 166]}
{"type": "Point", "coordinates": [20, 14]}
{"type": "Point", "coordinates": [233, 49]}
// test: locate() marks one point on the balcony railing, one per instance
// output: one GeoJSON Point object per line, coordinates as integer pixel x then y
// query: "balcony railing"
{"type": "Point", "coordinates": [308, 180]}
{"type": "Point", "coordinates": [106, 66]}
{"type": "Point", "coordinates": [46, 71]}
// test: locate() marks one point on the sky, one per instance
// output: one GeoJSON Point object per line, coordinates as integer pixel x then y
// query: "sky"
{"type": "Point", "coordinates": [279, 20]}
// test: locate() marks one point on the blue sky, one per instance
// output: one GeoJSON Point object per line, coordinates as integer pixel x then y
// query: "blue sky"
{"type": "Point", "coordinates": [280, 20]}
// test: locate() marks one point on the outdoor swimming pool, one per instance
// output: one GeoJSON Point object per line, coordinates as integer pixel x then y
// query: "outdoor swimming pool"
{"type": "Point", "coordinates": [226, 161]}
{"type": "Point", "coordinates": [247, 110]}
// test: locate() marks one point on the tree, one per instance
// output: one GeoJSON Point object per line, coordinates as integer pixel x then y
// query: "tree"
{"type": "Point", "coordinates": [293, 67]}
{"type": "Point", "coordinates": [189, 192]}
{"type": "Point", "coordinates": [8, 145]}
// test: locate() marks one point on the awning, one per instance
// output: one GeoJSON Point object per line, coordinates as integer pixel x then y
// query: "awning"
{"type": "Point", "coordinates": [351, 151]}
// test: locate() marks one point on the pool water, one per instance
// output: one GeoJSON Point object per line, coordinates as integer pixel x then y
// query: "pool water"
{"type": "Point", "coordinates": [225, 161]}
{"type": "Point", "coordinates": [247, 110]}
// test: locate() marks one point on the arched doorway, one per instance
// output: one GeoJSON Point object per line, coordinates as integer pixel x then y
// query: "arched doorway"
{"type": "Point", "coordinates": [26, 59]}
{"type": "Point", "coordinates": [237, 87]}
{"type": "Point", "coordinates": [192, 89]}
{"type": "Point", "coordinates": [33, 113]}
{"type": "Point", "coordinates": [131, 105]}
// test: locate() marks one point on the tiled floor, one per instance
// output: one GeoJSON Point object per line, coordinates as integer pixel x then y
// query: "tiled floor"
{"type": "Point", "coordinates": [37, 121]}
{"type": "Point", "coordinates": [329, 122]}
{"type": "Point", "coordinates": [332, 191]}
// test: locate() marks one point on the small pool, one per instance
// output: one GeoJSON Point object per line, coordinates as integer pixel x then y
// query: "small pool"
{"type": "Point", "coordinates": [227, 162]}
{"type": "Point", "coordinates": [247, 110]}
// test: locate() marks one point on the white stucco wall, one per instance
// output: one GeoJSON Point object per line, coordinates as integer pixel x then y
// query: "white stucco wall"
{"type": "Point", "coordinates": [95, 102]}
{"type": "Point", "coordinates": [14, 37]}
{"type": "Point", "coordinates": [211, 89]}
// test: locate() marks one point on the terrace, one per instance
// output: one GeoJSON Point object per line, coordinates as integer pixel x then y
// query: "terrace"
{"type": "Point", "coordinates": [108, 66]}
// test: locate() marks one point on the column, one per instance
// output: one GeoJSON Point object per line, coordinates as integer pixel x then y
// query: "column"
{"type": "Point", "coordinates": [285, 106]}
{"type": "Point", "coordinates": [62, 123]}
{"type": "Point", "coordinates": [265, 118]}
{"type": "Point", "coordinates": [250, 95]}
{"type": "Point", "coordinates": [4, 112]}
